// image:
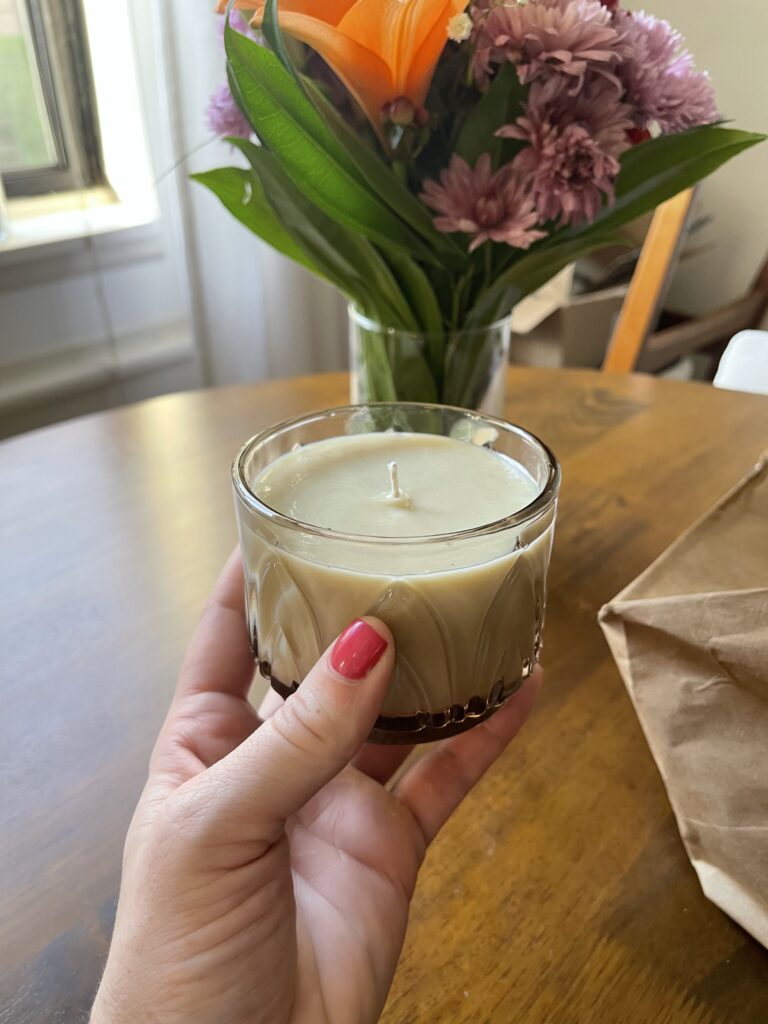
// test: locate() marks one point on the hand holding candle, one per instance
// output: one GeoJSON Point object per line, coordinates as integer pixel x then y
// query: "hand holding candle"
{"type": "Point", "coordinates": [452, 555]}
{"type": "Point", "coordinates": [251, 887]}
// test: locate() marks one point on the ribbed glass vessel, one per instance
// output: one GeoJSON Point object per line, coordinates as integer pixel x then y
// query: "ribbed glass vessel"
{"type": "Point", "coordinates": [466, 608]}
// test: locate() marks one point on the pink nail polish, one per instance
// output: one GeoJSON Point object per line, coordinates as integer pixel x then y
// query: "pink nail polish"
{"type": "Point", "coordinates": [357, 650]}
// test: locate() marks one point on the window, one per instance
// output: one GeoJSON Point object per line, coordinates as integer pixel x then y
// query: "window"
{"type": "Point", "coordinates": [49, 139]}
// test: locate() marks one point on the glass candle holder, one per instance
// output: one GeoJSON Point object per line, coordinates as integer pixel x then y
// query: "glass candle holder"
{"type": "Point", "coordinates": [466, 608]}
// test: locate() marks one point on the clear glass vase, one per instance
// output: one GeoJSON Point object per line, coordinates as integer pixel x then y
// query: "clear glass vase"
{"type": "Point", "coordinates": [463, 368]}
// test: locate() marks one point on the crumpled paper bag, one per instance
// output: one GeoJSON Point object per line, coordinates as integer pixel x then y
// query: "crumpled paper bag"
{"type": "Point", "coordinates": [690, 638]}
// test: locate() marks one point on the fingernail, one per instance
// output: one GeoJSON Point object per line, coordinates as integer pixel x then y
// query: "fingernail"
{"type": "Point", "coordinates": [357, 650]}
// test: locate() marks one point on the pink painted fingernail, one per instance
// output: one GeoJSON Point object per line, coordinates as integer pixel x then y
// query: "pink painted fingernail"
{"type": "Point", "coordinates": [357, 650]}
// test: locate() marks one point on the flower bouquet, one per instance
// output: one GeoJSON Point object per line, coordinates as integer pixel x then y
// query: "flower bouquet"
{"type": "Point", "coordinates": [438, 161]}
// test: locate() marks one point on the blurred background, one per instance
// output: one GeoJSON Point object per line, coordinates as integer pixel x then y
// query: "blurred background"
{"type": "Point", "coordinates": [120, 279]}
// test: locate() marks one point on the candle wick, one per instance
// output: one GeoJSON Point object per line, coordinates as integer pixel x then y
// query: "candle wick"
{"type": "Point", "coordinates": [394, 482]}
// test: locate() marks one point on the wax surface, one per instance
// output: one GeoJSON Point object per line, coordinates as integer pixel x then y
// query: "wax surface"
{"type": "Point", "coordinates": [344, 484]}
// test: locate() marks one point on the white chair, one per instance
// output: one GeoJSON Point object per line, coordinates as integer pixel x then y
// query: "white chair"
{"type": "Point", "coordinates": [744, 366]}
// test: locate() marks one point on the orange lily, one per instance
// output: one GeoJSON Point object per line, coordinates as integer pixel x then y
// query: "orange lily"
{"type": "Point", "coordinates": [381, 50]}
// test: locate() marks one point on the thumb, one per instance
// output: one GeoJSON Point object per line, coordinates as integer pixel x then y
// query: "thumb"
{"type": "Point", "coordinates": [315, 733]}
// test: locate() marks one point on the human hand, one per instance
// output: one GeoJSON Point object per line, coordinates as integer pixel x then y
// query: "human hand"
{"type": "Point", "coordinates": [268, 871]}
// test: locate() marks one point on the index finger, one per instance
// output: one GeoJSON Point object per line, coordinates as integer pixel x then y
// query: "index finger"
{"type": "Point", "coordinates": [377, 761]}
{"type": "Point", "coordinates": [219, 657]}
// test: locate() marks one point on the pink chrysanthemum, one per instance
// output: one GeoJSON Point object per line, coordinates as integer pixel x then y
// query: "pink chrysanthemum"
{"type": "Point", "coordinates": [571, 161]}
{"type": "Point", "coordinates": [225, 117]}
{"type": "Point", "coordinates": [659, 76]}
{"type": "Point", "coordinates": [487, 205]}
{"type": "Point", "coordinates": [542, 38]}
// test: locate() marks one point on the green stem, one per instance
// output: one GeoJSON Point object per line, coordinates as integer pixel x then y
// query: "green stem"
{"type": "Point", "coordinates": [379, 385]}
{"type": "Point", "coordinates": [458, 297]}
{"type": "Point", "coordinates": [455, 306]}
{"type": "Point", "coordinates": [400, 170]}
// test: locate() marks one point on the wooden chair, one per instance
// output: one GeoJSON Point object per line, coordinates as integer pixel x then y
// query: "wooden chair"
{"type": "Point", "coordinates": [633, 345]}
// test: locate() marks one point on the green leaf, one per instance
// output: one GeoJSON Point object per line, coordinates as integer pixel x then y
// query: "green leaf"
{"type": "Point", "coordinates": [499, 106]}
{"type": "Point", "coordinates": [392, 366]}
{"type": "Point", "coordinates": [420, 295]}
{"type": "Point", "coordinates": [411, 375]}
{"type": "Point", "coordinates": [529, 273]}
{"type": "Point", "coordinates": [671, 152]}
{"type": "Point", "coordinates": [242, 194]}
{"type": "Point", "coordinates": [658, 169]}
{"type": "Point", "coordinates": [270, 27]}
{"type": "Point", "coordinates": [381, 178]}
{"type": "Point", "coordinates": [290, 126]}
{"type": "Point", "coordinates": [351, 262]}
{"type": "Point", "coordinates": [650, 174]}
{"type": "Point", "coordinates": [471, 359]}
{"type": "Point", "coordinates": [378, 383]}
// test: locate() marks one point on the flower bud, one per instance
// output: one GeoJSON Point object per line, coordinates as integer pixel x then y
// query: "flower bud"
{"type": "Point", "coordinates": [400, 112]}
{"type": "Point", "coordinates": [637, 135]}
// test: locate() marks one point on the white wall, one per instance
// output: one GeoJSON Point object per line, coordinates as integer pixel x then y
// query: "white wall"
{"type": "Point", "coordinates": [730, 40]}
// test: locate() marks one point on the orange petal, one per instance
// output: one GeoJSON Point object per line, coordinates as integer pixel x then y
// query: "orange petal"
{"type": "Point", "coordinates": [422, 66]}
{"type": "Point", "coordinates": [396, 30]}
{"type": "Point", "coordinates": [364, 73]}
{"type": "Point", "coordinates": [331, 11]}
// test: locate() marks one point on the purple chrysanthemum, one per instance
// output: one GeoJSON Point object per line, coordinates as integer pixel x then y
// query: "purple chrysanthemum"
{"type": "Point", "coordinates": [225, 117]}
{"type": "Point", "coordinates": [659, 76]}
{"type": "Point", "coordinates": [571, 161]}
{"type": "Point", "coordinates": [542, 38]}
{"type": "Point", "coordinates": [487, 205]}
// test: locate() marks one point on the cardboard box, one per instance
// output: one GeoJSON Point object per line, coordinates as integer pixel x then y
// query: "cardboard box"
{"type": "Point", "coordinates": [575, 334]}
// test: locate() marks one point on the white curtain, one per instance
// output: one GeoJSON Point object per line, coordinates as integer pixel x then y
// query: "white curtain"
{"type": "Point", "coordinates": [257, 314]}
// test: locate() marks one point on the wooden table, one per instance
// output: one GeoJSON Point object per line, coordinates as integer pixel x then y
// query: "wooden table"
{"type": "Point", "coordinates": [559, 893]}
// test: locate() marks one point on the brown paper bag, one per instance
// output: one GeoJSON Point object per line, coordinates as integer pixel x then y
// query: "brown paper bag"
{"type": "Point", "coordinates": [690, 638]}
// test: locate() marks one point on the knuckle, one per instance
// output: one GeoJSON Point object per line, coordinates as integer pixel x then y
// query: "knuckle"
{"type": "Point", "coordinates": [189, 817]}
{"type": "Point", "coordinates": [301, 723]}
{"type": "Point", "coordinates": [452, 767]}
{"type": "Point", "coordinates": [306, 725]}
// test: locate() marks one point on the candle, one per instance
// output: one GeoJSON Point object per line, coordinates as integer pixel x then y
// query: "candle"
{"type": "Point", "coordinates": [352, 484]}
{"type": "Point", "coordinates": [444, 538]}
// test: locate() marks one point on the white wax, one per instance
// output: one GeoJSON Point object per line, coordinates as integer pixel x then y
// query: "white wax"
{"type": "Point", "coordinates": [344, 484]}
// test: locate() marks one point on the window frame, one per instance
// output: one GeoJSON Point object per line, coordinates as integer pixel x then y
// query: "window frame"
{"type": "Point", "coordinates": [60, 43]}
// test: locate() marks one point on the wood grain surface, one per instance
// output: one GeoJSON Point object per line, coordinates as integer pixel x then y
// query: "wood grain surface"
{"type": "Point", "coordinates": [559, 893]}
